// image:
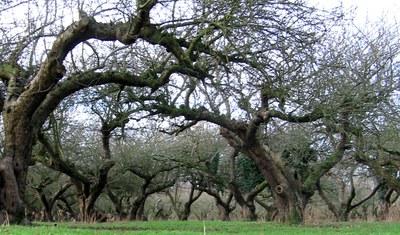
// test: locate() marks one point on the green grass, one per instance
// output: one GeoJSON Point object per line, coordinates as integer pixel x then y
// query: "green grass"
{"type": "Point", "coordinates": [196, 227]}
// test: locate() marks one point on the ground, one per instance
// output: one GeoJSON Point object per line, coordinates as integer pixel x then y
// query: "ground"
{"type": "Point", "coordinates": [201, 227]}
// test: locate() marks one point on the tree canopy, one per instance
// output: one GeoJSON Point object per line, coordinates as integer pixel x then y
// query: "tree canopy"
{"type": "Point", "coordinates": [292, 91]}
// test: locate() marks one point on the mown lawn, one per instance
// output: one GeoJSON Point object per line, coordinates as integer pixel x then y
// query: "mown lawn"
{"type": "Point", "coordinates": [197, 227]}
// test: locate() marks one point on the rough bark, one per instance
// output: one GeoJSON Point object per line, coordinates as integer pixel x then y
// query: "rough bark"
{"type": "Point", "coordinates": [14, 164]}
{"type": "Point", "coordinates": [27, 106]}
{"type": "Point", "coordinates": [288, 199]}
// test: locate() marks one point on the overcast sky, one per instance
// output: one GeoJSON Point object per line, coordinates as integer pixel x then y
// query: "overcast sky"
{"type": "Point", "coordinates": [372, 10]}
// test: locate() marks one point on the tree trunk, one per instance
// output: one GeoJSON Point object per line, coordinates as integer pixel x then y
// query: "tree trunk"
{"type": "Point", "coordinates": [85, 213]}
{"type": "Point", "coordinates": [270, 210]}
{"type": "Point", "coordinates": [290, 202]}
{"type": "Point", "coordinates": [137, 209]}
{"type": "Point", "coordinates": [140, 214]}
{"type": "Point", "coordinates": [184, 216]}
{"type": "Point", "coordinates": [84, 200]}
{"type": "Point", "coordinates": [383, 210]}
{"type": "Point", "coordinates": [86, 207]}
{"type": "Point", "coordinates": [343, 215]}
{"type": "Point", "coordinates": [246, 201]}
{"type": "Point", "coordinates": [14, 166]}
{"type": "Point", "coordinates": [249, 212]}
{"type": "Point", "coordinates": [224, 212]}
{"type": "Point", "coordinates": [48, 214]}
{"type": "Point", "coordinates": [224, 207]}
{"type": "Point", "coordinates": [133, 212]}
{"type": "Point", "coordinates": [386, 200]}
{"type": "Point", "coordinates": [187, 209]}
{"type": "Point", "coordinates": [68, 208]}
{"type": "Point", "coordinates": [289, 199]}
{"type": "Point", "coordinates": [47, 207]}
{"type": "Point", "coordinates": [11, 201]}
{"type": "Point", "coordinates": [290, 209]}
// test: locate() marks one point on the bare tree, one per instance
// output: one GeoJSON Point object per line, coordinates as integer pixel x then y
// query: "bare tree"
{"type": "Point", "coordinates": [89, 188]}
{"type": "Point", "coordinates": [344, 179]}
{"type": "Point", "coordinates": [244, 66]}
{"type": "Point", "coordinates": [183, 209]}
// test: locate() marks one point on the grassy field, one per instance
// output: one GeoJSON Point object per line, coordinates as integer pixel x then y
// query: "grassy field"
{"type": "Point", "coordinates": [199, 227]}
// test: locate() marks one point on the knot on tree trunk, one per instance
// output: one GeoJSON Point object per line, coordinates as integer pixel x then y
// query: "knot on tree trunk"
{"type": "Point", "coordinates": [279, 189]}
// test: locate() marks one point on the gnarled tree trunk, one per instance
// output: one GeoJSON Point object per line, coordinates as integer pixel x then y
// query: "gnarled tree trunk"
{"type": "Point", "coordinates": [290, 195]}
{"type": "Point", "coordinates": [137, 209]}
{"type": "Point", "coordinates": [31, 98]}
{"type": "Point", "coordinates": [224, 207]}
{"type": "Point", "coordinates": [14, 164]}
{"type": "Point", "coordinates": [289, 200]}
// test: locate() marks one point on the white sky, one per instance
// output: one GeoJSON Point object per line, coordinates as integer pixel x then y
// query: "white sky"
{"type": "Point", "coordinates": [366, 10]}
